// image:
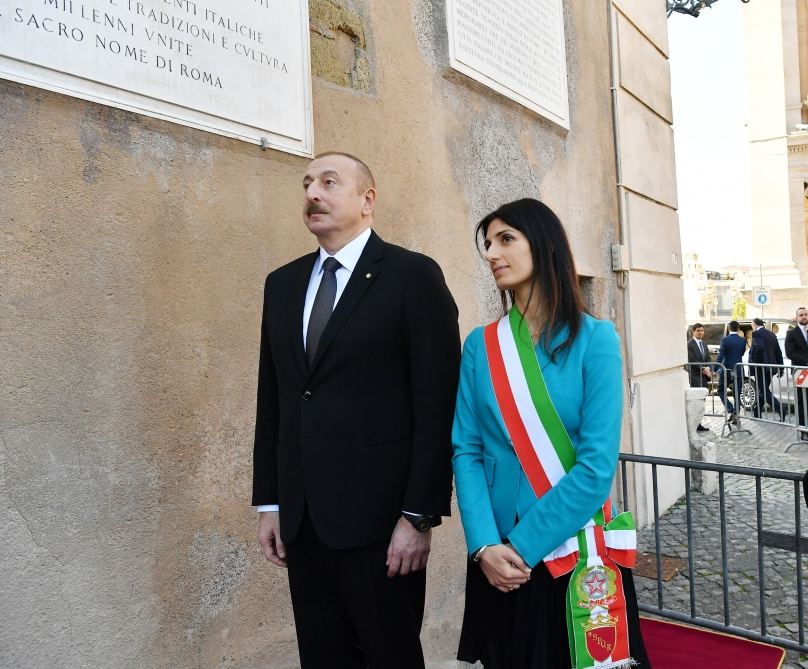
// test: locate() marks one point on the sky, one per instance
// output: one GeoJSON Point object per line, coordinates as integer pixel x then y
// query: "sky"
{"type": "Point", "coordinates": [709, 111]}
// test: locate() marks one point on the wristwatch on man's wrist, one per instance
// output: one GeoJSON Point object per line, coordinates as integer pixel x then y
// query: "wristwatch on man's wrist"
{"type": "Point", "coordinates": [421, 522]}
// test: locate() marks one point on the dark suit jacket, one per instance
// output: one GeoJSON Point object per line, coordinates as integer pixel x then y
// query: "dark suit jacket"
{"type": "Point", "coordinates": [365, 432]}
{"type": "Point", "coordinates": [730, 352]}
{"type": "Point", "coordinates": [765, 348]}
{"type": "Point", "coordinates": [796, 348]}
{"type": "Point", "coordinates": [697, 379]}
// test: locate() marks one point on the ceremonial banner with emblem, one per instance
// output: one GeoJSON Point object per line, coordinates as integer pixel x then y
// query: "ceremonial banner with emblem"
{"type": "Point", "coordinates": [596, 605]}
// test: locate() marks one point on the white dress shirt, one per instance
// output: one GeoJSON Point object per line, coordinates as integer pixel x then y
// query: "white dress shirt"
{"type": "Point", "coordinates": [347, 256]}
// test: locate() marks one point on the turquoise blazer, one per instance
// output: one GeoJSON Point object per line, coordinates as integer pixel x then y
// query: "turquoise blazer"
{"type": "Point", "coordinates": [495, 498]}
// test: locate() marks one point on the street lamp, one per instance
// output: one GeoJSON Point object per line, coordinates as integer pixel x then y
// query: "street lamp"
{"type": "Point", "coordinates": [692, 7]}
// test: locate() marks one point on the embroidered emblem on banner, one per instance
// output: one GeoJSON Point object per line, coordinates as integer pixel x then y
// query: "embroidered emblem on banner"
{"type": "Point", "coordinates": [601, 635]}
{"type": "Point", "coordinates": [596, 585]}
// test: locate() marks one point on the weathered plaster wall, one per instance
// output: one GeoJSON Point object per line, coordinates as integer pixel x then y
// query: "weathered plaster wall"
{"type": "Point", "coordinates": [131, 268]}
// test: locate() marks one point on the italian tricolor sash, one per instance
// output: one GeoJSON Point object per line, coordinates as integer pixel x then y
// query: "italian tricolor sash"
{"type": "Point", "coordinates": [596, 605]}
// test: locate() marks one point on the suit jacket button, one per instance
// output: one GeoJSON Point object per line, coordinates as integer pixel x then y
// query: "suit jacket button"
{"type": "Point", "coordinates": [307, 395]}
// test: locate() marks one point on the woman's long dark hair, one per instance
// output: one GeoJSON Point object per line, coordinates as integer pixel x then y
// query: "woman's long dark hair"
{"type": "Point", "coordinates": [554, 282]}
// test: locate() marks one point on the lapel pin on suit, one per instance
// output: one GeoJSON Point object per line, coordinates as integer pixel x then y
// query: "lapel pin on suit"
{"type": "Point", "coordinates": [368, 275]}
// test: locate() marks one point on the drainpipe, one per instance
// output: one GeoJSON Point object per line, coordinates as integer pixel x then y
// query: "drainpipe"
{"type": "Point", "coordinates": [622, 276]}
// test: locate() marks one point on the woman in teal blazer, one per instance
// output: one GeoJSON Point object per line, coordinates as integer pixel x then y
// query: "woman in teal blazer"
{"type": "Point", "coordinates": [515, 610]}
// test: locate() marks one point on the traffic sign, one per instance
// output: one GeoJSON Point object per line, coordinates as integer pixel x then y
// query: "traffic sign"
{"type": "Point", "coordinates": [762, 295]}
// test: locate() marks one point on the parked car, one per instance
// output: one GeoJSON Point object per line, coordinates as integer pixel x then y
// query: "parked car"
{"type": "Point", "coordinates": [781, 386]}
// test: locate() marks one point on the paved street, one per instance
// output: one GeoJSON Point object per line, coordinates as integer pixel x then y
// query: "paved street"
{"type": "Point", "coordinates": [764, 447]}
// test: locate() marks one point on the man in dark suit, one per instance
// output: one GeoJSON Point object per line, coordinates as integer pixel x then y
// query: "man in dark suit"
{"type": "Point", "coordinates": [697, 352]}
{"type": "Point", "coordinates": [730, 354]}
{"type": "Point", "coordinates": [765, 350]}
{"type": "Point", "coordinates": [797, 352]}
{"type": "Point", "coordinates": [357, 377]}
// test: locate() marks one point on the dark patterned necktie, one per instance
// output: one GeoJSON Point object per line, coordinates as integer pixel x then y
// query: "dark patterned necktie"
{"type": "Point", "coordinates": [322, 307]}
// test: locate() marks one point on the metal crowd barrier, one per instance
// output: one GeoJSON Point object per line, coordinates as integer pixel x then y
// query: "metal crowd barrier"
{"type": "Point", "coordinates": [719, 385]}
{"type": "Point", "coordinates": [771, 394]}
{"type": "Point", "coordinates": [765, 539]}
{"type": "Point", "coordinates": [714, 406]}
{"type": "Point", "coordinates": [759, 392]}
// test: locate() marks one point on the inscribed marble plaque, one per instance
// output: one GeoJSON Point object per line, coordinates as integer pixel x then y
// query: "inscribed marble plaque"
{"type": "Point", "coordinates": [238, 68]}
{"type": "Point", "coordinates": [515, 47]}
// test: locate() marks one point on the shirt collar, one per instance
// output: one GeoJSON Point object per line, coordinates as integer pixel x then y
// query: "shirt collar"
{"type": "Point", "coordinates": [348, 255]}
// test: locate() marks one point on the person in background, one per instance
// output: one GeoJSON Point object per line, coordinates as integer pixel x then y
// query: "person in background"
{"type": "Point", "coordinates": [765, 351]}
{"type": "Point", "coordinates": [730, 354]}
{"type": "Point", "coordinates": [697, 352]}
{"type": "Point", "coordinates": [797, 352]}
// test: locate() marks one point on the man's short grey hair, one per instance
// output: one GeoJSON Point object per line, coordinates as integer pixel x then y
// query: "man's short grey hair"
{"type": "Point", "coordinates": [364, 177]}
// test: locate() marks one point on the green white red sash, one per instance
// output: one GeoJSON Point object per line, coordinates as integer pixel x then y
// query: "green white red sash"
{"type": "Point", "coordinates": [596, 607]}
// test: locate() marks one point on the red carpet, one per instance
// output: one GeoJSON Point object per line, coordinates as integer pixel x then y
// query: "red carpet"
{"type": "Point", "coordinates": [674, 646]}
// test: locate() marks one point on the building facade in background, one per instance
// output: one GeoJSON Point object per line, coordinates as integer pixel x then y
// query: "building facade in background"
{"type": "Point", "coordinates": [773, 52]}
{"type": "Point", "coordinates": [776, 46]}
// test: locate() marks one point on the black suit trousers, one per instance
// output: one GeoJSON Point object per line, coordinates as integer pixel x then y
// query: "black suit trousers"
{"type": "Point", "coordinates": [348, 614]}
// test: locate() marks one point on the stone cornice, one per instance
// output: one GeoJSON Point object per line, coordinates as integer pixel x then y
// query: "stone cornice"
{"type": "Point", "coordinates": [798, 142]}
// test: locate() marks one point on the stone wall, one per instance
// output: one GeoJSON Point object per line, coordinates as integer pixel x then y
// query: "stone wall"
{"type": "Point", "coordinates": [654, 294]}
{"type": "Point", "coordinates": [131, 269]}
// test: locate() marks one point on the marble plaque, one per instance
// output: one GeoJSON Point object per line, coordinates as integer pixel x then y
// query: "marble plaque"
{"type": "Point", "coordinates": [239, 68]}
{"type": "Point", "coordinates": [515, 47]}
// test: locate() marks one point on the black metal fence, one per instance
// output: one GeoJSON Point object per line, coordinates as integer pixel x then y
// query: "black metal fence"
{"type": "Point", "coordinates": [754, 391]}
{"type": "Point", "coordinates": [790, 542]}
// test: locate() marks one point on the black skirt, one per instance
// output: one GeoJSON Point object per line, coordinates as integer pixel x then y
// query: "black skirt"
{"type": "Point", "coordinates": [527, 627]}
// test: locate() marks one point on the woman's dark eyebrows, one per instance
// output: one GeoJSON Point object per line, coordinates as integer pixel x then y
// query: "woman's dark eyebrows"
{"type": "Point", "coordinates": [502, 232]}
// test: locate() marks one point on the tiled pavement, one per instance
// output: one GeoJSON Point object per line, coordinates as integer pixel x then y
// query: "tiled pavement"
{"type": "Point", "coordinates": [764, 447]}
